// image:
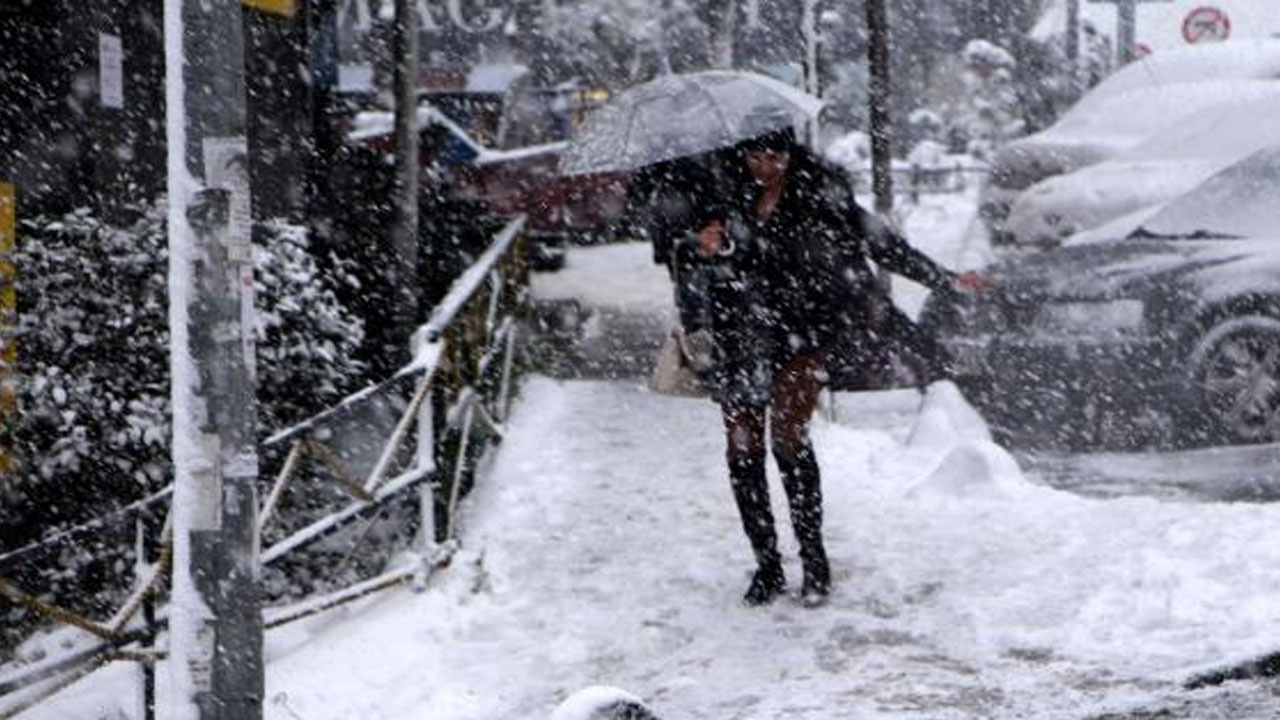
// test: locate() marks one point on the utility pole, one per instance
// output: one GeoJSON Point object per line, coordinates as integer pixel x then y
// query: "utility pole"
{"type": "Point", "coordinates": [1126, 29]}
{"type": "Point", "coordinates": [404, 236]}
{"type": "Point", "coordinates": [1072, 38]}
{"type": "Point", "coordinates": [812, 75]}
{"type": "Point", "coordinates": [809, 29]}
{"type": "Point", "coordinates": [215, 610]}
{"type": "Point", "coordinates": [8, 325]}
{"type": "Point", "coordinates": [321, 17]}
{"type": "Point", "coordinates": [881, 131]}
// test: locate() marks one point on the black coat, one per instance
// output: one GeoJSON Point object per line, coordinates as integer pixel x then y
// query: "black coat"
{"type": "Point", "coordinates": [802, 280]}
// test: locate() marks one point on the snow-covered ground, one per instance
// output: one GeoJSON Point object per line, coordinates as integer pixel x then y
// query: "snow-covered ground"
{"type": "Point", "coordinates": [602, 547]}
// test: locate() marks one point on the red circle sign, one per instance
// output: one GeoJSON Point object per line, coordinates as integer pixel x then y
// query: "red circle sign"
{"type": "Point", "coordinates": [1206, 24]}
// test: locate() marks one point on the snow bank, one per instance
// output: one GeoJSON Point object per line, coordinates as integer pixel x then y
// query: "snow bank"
{"type": "Point", "coordinates": [946, 419]}
{"type": "Point", "coordinates": [953, 436]}
{"type": "Point", "coordinates": [594, 703]}
{"type": "Point", "coordinates": [977, 469]}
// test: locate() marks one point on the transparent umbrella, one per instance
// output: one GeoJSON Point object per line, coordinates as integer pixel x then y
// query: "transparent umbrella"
{"type": "Point", "coordinates": [676, 116]}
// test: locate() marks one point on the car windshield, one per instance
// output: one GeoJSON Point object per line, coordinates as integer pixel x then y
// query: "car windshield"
{"type": "Point", "coordinates": [1241, 201]}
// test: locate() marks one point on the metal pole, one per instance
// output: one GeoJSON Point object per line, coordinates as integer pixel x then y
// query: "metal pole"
{"type": "Point", "coordinates": [321, 17]}
{"type": "Point", "coordinates": [216, 616]}
{"type": "Point", "coordinates": [1126, 29]}
{"type": "Point", "coordinates": [404, 240]}
{"type": "Point", "coordinates": [881, 131]}
{"type": "Point", "coordinates": [809, 27]}
{"type": "Point", "coordinates": [145, 549]}
{"type": "Point", "coordinates": [1073, 44]}
{"type": "Point", "coordinates": [8, 325]}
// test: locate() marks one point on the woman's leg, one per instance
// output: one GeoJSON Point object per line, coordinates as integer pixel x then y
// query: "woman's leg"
{"type": "Point", "coordinates": [794, 398]}
{"type": "Point", "coordinates": [745, 452]}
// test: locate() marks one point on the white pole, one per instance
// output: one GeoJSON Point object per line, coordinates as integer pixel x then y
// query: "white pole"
{"type": "Point", "coordinates": [215, 638]}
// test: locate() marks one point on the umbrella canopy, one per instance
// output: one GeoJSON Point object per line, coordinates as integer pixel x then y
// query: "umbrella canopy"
{"type": "Point", "coordinates": [680, 115]}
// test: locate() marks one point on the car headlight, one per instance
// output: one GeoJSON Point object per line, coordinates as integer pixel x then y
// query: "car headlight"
{"type": "Point", "coordinates": [1090, 318]}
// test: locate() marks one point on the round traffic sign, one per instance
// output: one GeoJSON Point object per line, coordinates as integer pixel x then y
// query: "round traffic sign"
{"type": "Point", "coordinates": [1206, 24]}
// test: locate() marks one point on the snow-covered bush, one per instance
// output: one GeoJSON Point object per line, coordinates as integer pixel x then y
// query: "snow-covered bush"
{"type": "Point", "coordinates": [92, 353]}
{"type": "Point", "coordinates": [991, 113]}
{"type": "Point", "coordinates": [851, 151]}
{"type": "Point", "coordinates": [93, 344]}
{"type": "Point", "coordinates": [307, 339]}
{"type": "Point", "coordinates": [92, 430]}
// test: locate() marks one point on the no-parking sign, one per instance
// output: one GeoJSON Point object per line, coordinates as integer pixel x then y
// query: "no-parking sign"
{"type": "Point", "coordinates": [1206, 24]}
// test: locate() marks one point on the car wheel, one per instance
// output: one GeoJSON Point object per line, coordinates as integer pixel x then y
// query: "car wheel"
{"type": "Point", "coordinates": [1235, 382]}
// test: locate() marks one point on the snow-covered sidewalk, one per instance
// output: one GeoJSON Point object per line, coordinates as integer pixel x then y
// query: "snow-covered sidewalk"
{"type": "Point", "coordinates": [603, 548]}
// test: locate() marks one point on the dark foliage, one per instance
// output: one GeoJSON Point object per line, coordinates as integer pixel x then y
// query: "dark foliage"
{"type": "Point", "coordinates": [92, 433]}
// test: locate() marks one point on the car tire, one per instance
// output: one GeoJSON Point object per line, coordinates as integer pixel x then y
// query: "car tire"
{"type": "Point", "coordinates": [1234, 383]}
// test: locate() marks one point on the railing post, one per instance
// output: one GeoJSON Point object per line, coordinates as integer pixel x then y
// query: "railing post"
{"type": "Point", "coordinates": [146, 556]}
{"type": "Point", "coordinates": [424, 455]}
{"type": "Point", "coordinates": [504, 388]}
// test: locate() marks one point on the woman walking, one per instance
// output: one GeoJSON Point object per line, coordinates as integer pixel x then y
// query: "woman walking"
{"type": "Point", "coordinates": [792, 302]}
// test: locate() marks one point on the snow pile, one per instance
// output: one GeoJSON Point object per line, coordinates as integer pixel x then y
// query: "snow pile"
{"type": "Point", "coordinates": [974, 469]}
{"type": "Point", "coordinates": [956, 438]}
{"type": "Point", "coordinates": [599, 702]}
{"type": "Point", "coordinates": [946, 419]}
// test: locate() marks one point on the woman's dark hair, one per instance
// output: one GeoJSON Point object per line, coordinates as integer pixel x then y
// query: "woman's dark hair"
{"type": "Point", "coordinates": [783, 140]}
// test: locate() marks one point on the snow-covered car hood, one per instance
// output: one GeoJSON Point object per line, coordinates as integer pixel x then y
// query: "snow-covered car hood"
{"type": "Point", "coordinates": [1162, 167]}
{"type": "Point", "coordinates": [1174, 279]}
{"type": "Point", "coordinates": [1099, 128]}
{"type": "Point", "coordinates": [1061, 206]}
{"type": "Point", "coordinates": [1025, 162]}
{"type": "Point", "coordinates": [1208, 270]}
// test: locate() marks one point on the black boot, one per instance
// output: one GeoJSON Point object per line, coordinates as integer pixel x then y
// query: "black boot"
{"type": "Point", "coordinates": [801, 480]}
{"type": "Point", "coordinates": [752, 495]}
{"type": "Point", "coordinates": [766, 585]}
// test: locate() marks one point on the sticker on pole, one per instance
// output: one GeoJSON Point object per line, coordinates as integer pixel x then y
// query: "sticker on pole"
{"type": "Point", "coordinates": [1205, 25]}
{"type": "Point", "coordinates": [226, 167]}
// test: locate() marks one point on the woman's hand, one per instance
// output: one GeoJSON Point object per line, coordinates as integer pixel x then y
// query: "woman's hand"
{"type": "Point", "coordinates": [711, 239]}
{"type": "Point", "coordinates": [971, 282]}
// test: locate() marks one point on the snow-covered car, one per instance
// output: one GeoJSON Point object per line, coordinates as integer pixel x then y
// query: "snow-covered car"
{"type": "Point", "coordinates": [1155, 171]}
{"type": "Point", "coordinates": [1170, 336]}
{"type": "Point", "coordinates": [1138, 101]}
